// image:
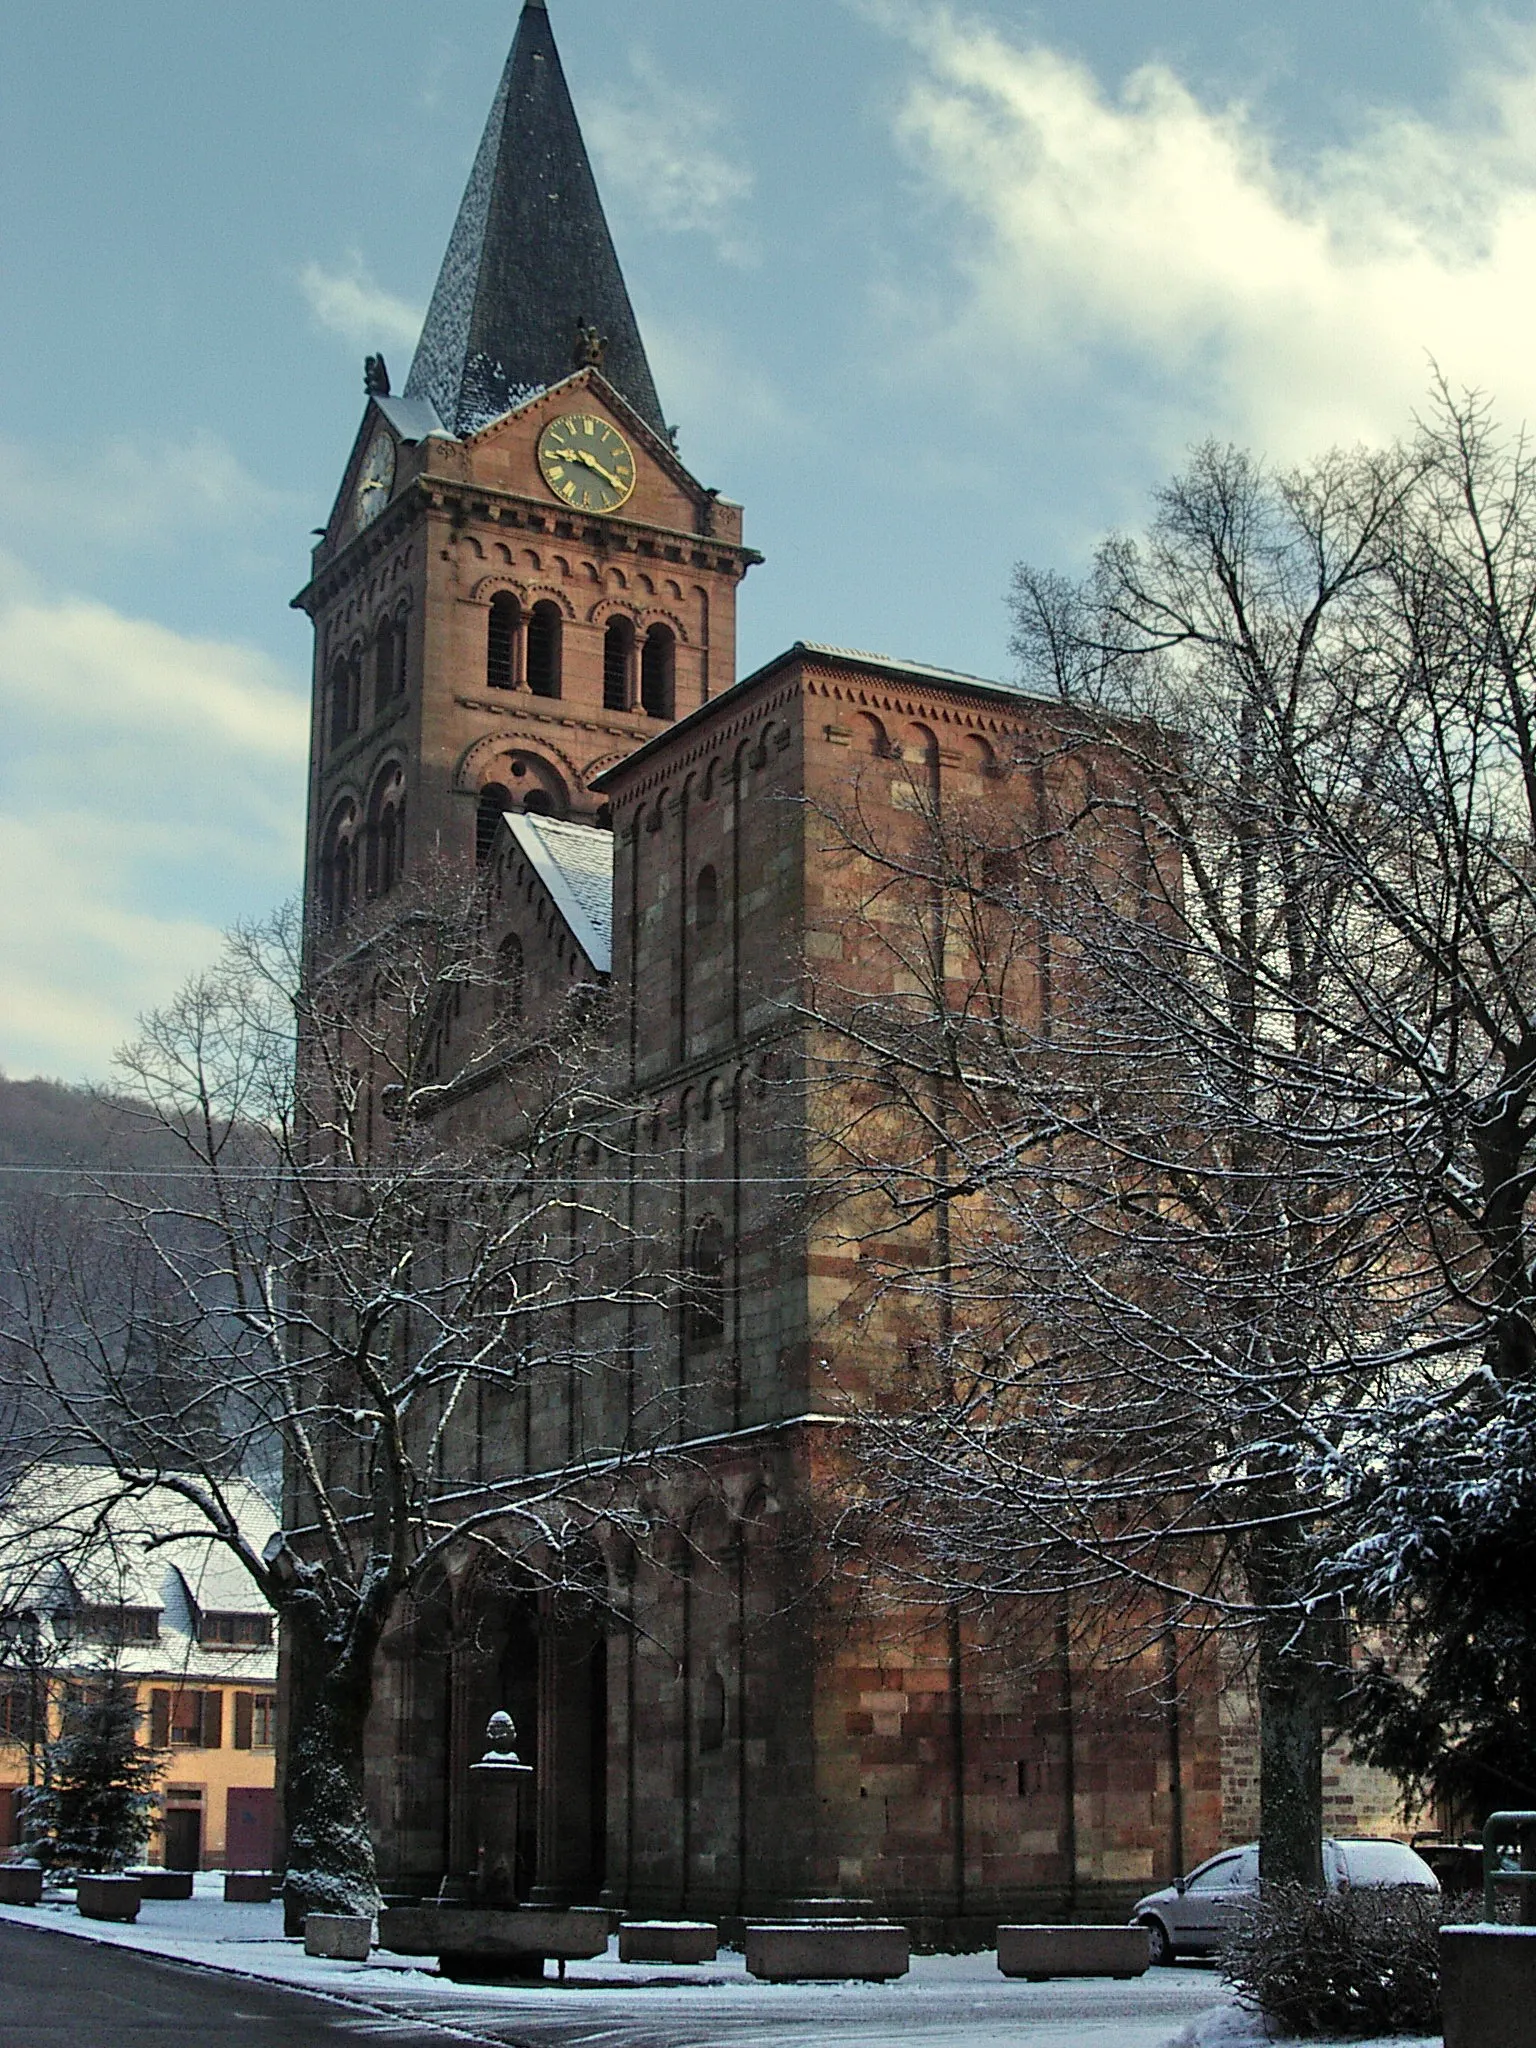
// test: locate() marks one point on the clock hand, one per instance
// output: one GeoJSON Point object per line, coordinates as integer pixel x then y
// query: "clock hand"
{"type": "Point", "coordinates": [591, 462]}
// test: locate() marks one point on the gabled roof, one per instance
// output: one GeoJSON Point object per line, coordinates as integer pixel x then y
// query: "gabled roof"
{"type": "Point", "coordinates": [575, 864]}
{"type": "Point", "coordinates": [68, 1540]}
{"type": "Point", "coordinates": [530, 258]}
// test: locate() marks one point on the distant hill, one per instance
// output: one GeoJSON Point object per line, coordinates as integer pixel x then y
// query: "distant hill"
{"type": "Point", "coordinates": [51, 1124]}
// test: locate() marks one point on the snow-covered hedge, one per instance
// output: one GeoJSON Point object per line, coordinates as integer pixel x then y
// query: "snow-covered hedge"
{"type": "Point", "coordinates": [1352, 1963]}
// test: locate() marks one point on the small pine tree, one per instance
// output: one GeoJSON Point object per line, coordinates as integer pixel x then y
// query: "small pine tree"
{"type": "Point", "coordinates": [96, 1808]}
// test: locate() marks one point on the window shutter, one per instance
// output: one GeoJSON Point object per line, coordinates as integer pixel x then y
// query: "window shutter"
{"type": "Point", "coordinates": [213, 1720]}
{"type": "Point", "coordinates": [244, 1715]}
{"type": "Point", "coordinates": [160, 1720]}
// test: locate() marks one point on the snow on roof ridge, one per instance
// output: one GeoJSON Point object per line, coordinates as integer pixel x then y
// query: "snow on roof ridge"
{"type": "Point", "coordinates": [911, 668]}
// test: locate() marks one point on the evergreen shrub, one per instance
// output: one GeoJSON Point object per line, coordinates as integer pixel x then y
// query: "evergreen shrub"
{"type": "Point", "coordinates": [96, 1805]}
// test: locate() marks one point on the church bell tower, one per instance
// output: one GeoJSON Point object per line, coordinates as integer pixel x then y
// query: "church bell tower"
{"type": "Point", "coordinates": [520, 582]}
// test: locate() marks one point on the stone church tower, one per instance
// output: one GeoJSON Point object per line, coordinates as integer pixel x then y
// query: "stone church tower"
{"type": "Point", "coordinates": [520, 582]}
{"type": "Point", "coordinates": [524, 609]}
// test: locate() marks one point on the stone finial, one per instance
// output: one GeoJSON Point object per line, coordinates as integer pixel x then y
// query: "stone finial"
{"type": "Point", "coordinates": [501, 1740]}
{"type": "Point", "coordinates": [591, 348]}
{"type": "Point", "coordinates": [376, 377]}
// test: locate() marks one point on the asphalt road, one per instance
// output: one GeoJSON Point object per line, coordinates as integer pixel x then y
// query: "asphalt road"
{"type": "Point", "coordinates": [59, 1990]}
{"type": "Point", "coordinates": [60, 1993]}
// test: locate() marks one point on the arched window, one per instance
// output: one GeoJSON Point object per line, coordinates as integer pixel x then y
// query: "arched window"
{"type": "Point", "coordinates": [509, 970]}
{"type": "Point", "coordinates": [494, 804]}
{"type": "Point", "coordinates": [711, 1713]}
{"type": "Point", "coordinates": [544, 627]}
{"type": "Point", "coordinates": [705, 1318]}
{"type": "Point", "coordinates": [706, 899]}
{"type": "Point", "coordinates": [658, 670]}
{"type": "Point", "coordinates": [384, 667]}
{"type": "Point", "coordinates": [338, 867]}
{"type": "Point", "coordinates": [386, 831]}
{"type": "Point", "coordinates": [618, 650]}
{"type": "Point", "coordinates": [340, 720]}
{"type": "Point", "coordinates": [501, 642]}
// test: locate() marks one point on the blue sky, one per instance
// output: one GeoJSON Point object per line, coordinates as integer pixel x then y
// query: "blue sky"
{"type": "Point", "coordinates": [931, 288]}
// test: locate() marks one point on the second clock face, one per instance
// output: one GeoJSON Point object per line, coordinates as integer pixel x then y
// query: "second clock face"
{"type": "Point", "coordinates": [587, 463]}
{"type": "Point", "coordinates": [377, 479]}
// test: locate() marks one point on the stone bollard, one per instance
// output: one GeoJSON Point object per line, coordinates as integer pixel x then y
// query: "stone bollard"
{"type": "Point", "coordinates": [164, 1884]}
{"type": "Point", "coordinates": [669, 1941]}
{"type": "Point", "coordinates": [21, 1884]}
{"type": "Point", "coordinates": [249, 1887]}
{"type": "Point", "coordinates": [1041, 1952]}
{"type": "Point", "coordinates": [828, 1951]}
{"type": "Point", "coordinates": [109, 1898]}
{"type": "Point", "coordinates": [1488, 1986]}
{"type": "Point", "coordinates": [341, 1937]}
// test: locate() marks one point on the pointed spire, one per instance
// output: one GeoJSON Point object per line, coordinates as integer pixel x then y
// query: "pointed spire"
{"type": "Point", "coordinates": [531, 260]}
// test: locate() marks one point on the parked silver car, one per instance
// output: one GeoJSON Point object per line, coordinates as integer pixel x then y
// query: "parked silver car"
{"type": "Point", "coordinates": [1191, 1918]}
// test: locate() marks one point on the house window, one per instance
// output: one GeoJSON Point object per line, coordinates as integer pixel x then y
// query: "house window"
{"type": "Point", "coordinates": [255, 1720]}
{"type": "Point", "coordinates": [236, 1631]}
{"type": "Point", "coordinates": [186, 1720]}
{"type": "Point", "coordinates": [18, 1708]}
{"type": "Point", "coordinates": [120, 1624]}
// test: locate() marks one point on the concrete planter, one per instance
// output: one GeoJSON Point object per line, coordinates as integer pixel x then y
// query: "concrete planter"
{"type": "Point", "coordinates": [164, 1884]}
{"type": "Point", "coordinates": [1488, 1986]}
{"type": "Point", "coordinates": [340, 1937]}
{"type": "Point", "coordinates": [669, 1941]}
{"type": "Point", "coordinates": [21, 1884]}
{"type": "Point", "coordinates": [1041, 1952]}
{"type": "Point", "coordinates": [474, 1942]}
{"type": "Point", "coordinates": [249, 1888]}
{"type": "Point", "coordinates": [866, 1951]}
{"type": "Point", "coordinates": [109, 1898]}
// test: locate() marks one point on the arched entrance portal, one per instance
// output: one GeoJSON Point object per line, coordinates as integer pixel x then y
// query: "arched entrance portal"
{"type": "Point", "coordinates": [542, 1658]}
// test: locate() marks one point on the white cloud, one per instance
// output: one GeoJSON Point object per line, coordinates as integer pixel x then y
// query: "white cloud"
{"type": "Point", "coordinates": [152, 789]}
{"type": "Point", "coordinates": [129, 494]}
{"type": "Point", "coordinates": [660, 148]}
{"type": "Point", "coordinates": [1148, 233]}
{"type": "Point", "coordinates": [348, 302]}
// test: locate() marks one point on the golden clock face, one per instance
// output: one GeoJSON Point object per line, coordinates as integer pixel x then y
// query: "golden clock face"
{"type": "Point", "coordinates": [377, 479]}
{"type": "Point", "coordinates": [587, 463]}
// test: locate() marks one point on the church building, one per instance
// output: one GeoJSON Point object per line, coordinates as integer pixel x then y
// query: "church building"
{"type": "Point", "coordinates": [524, 608]}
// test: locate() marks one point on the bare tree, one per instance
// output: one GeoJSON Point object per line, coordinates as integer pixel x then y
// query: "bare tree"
{"type": "Point", "coordinates": [353, 1272]}
{"type": "Point", "coordinates": [1124, 1130]}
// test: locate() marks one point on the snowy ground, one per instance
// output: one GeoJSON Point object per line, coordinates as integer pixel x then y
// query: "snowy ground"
{"type": "Point", "coordinates": [947, 2001]}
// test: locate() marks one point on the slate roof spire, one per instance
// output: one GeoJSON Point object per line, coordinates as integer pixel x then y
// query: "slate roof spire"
{"type": "Point", "coordinates": [531, 258]}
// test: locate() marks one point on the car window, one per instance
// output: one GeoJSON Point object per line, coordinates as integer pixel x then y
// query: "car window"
{"type": "Point", "coordinates": [1384, 1863]}
{"type": "Point", "coordinates": [1216, 1876]}
{"type": "Point", "coordinates": [1248, 1869]}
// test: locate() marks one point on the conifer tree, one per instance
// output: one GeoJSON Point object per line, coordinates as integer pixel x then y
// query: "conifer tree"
{"type": "Point", "coordinates": [95, 1810]}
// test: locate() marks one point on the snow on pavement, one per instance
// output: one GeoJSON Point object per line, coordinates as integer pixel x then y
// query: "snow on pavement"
{"type": "Point", "coordinates": [946, 2002]}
